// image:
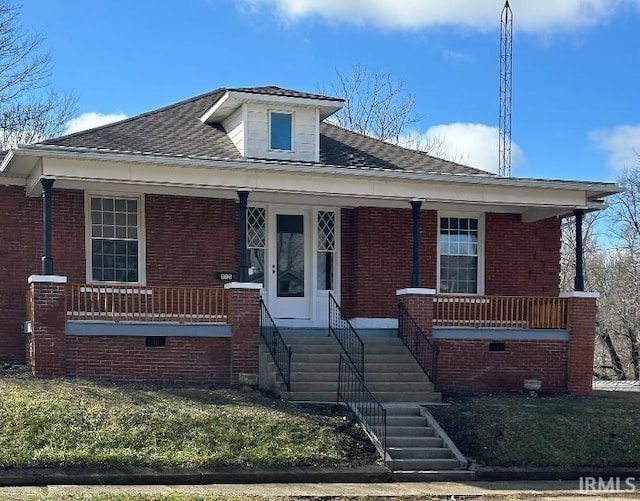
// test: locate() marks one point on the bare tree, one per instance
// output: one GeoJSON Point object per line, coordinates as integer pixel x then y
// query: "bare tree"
{"type": "Point", "coordinates": [28, 111]}
{"type": "Point", "coordinates": [375, 104]}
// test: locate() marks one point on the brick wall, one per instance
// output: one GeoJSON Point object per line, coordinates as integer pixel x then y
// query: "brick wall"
{"type": "Point", "coordinates": [190, 239]}
{"type": "Point", "coordinates": [377, 258]}
{"type": "Point", "coordinates": [467, 366]}
{"type": "Point", "coordinates": [183, 359]}
{"type": "Point", "coordinates": [21, 250]}
{"type": "Point", "coordinates": [522, 259]}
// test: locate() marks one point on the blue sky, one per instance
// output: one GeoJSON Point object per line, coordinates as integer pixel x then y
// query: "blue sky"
{"type": "Point", "coordinates": [576, 106]}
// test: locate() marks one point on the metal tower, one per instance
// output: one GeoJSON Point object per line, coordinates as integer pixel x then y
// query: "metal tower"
{"type": "Point", "coordinates": [506, 57]}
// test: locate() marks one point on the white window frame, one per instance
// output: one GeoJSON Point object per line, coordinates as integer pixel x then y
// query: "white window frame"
{"type": "Point", "coordinates": [293, 128]}
{"type": "Point", "coordinates": [142, 232]}
{"type": "Point", "coordinates": [481, 245]}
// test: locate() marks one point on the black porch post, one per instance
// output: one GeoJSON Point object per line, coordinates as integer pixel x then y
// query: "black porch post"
{"type": "Point", "coordinates": [579, 282]}
{"type": "Point", "coordinates": [243, 272]}
{"type": "Point", "coordinates": [415, 274]}
{"type": "Point", "coordinates": [47, 259]}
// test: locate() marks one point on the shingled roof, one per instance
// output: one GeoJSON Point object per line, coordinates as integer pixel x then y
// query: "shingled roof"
{"type": "Point", "coordinates": [176, 131]}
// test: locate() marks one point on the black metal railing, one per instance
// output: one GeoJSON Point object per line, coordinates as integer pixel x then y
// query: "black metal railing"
{"type": "Point", "coordinates": [346, 335]}
{"type": "Point", "coordinates": [280, 351]}
{"type": "Point", "coordinates": [354, 393]}
{"type": "Point", "coordinates": [420, 346]}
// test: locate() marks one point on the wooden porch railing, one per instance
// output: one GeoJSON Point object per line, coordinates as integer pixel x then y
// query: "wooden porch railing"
{"type": "Point", "coordinates": [145, 304]}
{"type": "Point", "coordinates": [501, 311]}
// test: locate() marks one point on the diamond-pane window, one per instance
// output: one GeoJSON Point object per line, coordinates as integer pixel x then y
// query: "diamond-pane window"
{"type": "Point", "coordinates": [256, 243]}
{"type": "Point", "coordinates": [326, 249]}
{"type": "Point", "coordinates": [256, 228]}
{"type": "Point", "coordinates": [326, 231]}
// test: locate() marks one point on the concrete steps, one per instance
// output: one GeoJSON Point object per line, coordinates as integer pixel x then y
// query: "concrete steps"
{"type": "Point", "coordinates": [417, 449]}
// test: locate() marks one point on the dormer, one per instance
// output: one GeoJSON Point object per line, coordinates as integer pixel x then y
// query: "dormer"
{"type": "Point", "coordinates": [273, 123]}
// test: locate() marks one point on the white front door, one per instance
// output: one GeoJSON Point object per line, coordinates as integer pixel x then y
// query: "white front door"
{"type": "Point", "coordinates": [289, 264]}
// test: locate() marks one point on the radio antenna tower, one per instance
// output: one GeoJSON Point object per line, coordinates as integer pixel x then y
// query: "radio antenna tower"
{"type": "Point", "coordinates": [506, 58]}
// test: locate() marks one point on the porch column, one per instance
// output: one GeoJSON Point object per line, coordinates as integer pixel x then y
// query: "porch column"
{"type": "Point", "coordinates": [243, 271]}
{"type": "Point", "coordinates": [47, 318]}
{"type": "Point", "coordinates": [579, 281]}
{"type": "Point", "coordinates": [582, 326]}
{"type": "Point", "coordinates": [416, 205]}
{"type": "Point", "coordinates": [47, 258]}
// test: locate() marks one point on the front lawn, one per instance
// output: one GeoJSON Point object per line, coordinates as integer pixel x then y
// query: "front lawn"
{"type": "Point", "coordinates": [601, 430]}
{"type": "Point", "coordinates": [78, 423]}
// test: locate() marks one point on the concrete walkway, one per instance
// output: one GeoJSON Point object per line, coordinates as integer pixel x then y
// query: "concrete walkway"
{"type": "Point", "coordinates": [554, 490]}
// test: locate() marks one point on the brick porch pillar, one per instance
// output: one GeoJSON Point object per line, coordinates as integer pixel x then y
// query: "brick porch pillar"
{"type": "Point", "coordinates": [582, 324]}
{"type": "Point", "coordinates": [244, 317]}
{"type": "Point", "coordinates": [47, 338]}
{"type": "Point", "coordinates": [419, 304]}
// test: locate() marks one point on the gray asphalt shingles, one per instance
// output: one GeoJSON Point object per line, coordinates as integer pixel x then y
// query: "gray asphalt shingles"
{"type": "Point", "coordinates": [176, 130]}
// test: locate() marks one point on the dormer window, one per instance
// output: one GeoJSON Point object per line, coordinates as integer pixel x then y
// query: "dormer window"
{"type": "Point", "coordinates": [281, 131]}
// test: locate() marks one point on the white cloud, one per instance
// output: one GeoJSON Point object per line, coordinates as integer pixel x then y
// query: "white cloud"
{"type": "Point", "coordinates": [622, 143]}
{"type": "Point", "coordinates": [90, 120]}
{"type": "Point", "coordinates": [529, 15]}
{"type": "Point", "coordinates": [472, 144]}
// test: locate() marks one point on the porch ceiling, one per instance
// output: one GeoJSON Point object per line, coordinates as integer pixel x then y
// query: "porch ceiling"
{"type": "Point", "coordinates": [301, 184]}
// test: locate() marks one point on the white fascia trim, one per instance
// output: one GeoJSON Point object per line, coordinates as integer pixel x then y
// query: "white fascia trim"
{"type": "Point", "coordinates": [47, 279]}
{"type": "Point", "coordinates": [416, 291]}
{"type": "Point", "coordinates": [242, 285]}
{"type": "Point", "coordinates": [287, 100]}
{"type": "Point", "coordinates": [6, 160]}
{"type": "Point", "coordinates": [581, 294]}
{"type": "Point", "coordinates": [310, 168]}
{"type": "Point", "coordinates": [214, 108]}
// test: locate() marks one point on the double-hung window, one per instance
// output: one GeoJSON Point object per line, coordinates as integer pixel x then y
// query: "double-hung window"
{"type": "Point", "coordinates": [281, 131]}
{"type": "Point", "coordinates": [114, 254]}
{"type": "Point", "coordinates": [459, 255]}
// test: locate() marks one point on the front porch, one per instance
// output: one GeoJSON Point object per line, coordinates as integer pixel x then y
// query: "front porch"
{"type": "Point", "coordinates": [211, 334]}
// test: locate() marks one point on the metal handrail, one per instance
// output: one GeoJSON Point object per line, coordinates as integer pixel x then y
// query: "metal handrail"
{"type": "Point", "coordinates": [346, 335]}
{"type": "Point", "coordinates": [353, 391]}
{"type": "Point", "coordinates": [280, 351]}
{"type": "Point", "coordinates": [420, 346]}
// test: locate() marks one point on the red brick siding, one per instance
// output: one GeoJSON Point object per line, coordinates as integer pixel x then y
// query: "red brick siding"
{"type": "Point", "coordinates": [377, 258]}
{"type": "Point", "coordinates": [522, 259]}
{"type": "Point", "coordinates": [190, 239]}
{"type": "Point", "coordinates": [183, 359]}
{"type": "Point", "coordinates": [467, 366]}
{"type": "Point", "coordinates": [21, 250]}
{"type": "Point", "coordinates": [581, 347]}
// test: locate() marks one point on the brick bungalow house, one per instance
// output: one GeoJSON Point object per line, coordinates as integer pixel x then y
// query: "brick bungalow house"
{"type": "Point", "coordinates": [142, 249]}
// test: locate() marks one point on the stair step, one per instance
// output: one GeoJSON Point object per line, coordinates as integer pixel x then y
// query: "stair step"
{"type": "Point", "coordinates": [316, 358]}
{"type": "Point", "coordinates": [419, 452]}
{"type": "Point", "coordinates": [384, 368]}
{"type": "Point", "coordinates": [395, 377]}
{"type": "Point", "coordinates": [314, 367]}
{"type": "Point", "coordinates": [388, 358]}
{"type": "Point", "coordinates": [418, 397]}
{"type": "Point", "coordinates": [423, 464]}
{"type": "Point", "coordinates": [409, 432]}
{"type": "Point", "coordinates": [434, 476]}
{"type": "Point", "coordinates": [396, 386]}
{"type": "Point", "coordinates": [417, 421]}
{"type": "Point", "coordinates": [428, 442]}
{"type": "Point", "coordinates": [322, 386]}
